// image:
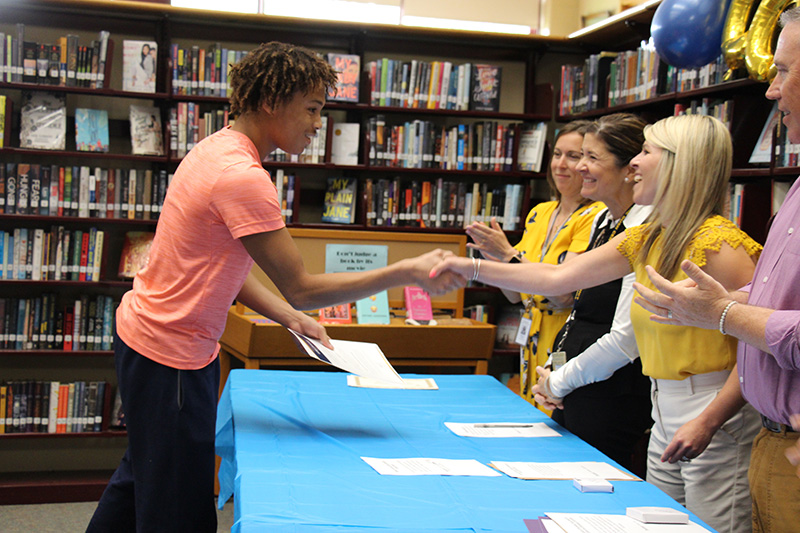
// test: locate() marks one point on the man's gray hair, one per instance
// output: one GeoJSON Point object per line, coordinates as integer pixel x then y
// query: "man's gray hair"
{"type": "Point", "coordinates": [792, 15]}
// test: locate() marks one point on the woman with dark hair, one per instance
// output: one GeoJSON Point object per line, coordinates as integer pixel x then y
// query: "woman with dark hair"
{"type": "Point", "coordinates": [611, 415]}
{"type": "Point", "coordinates": [554, 232]}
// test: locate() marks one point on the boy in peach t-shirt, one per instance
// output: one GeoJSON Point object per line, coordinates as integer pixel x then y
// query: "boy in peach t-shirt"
{"type": "Point", "coordinates": [220, 215]}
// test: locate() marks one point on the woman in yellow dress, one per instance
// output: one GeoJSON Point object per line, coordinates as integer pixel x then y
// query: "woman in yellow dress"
{"type": "Point", "coordinates": [554, 232]}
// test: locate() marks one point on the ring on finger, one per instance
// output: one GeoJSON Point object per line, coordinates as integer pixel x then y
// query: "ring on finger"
{"type": "Point", "coordinates": [669, 314]}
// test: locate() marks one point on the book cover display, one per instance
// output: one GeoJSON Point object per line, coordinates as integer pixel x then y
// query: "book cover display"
{"type": "Point", "coordinates": [43, 122]}
{"type": "Point", "coordinates": [374, 309]}
{"type": "Point", "coordinates": [344, 144]}
{"type": "Point", "coordinates": [91, 130]}
{"type": "Point", "coordinates": [348, 70]}
{"type": "Point", "coordinates": [135, 253]}
{"type": "Point", "coordinates": [418, 305]}
{"type": "Point", "coordinates": [531, 146]}
{"type": "Point", "coordinates": [340, 201]}
{"type": "Point", "coordinates": [485, 88]}
{"type": "Point", "coordinates": [336, 314]}
{"type": "Point", "coordinates": [146, 133]}
{"type": "Point", "coordinates": [139, 60]}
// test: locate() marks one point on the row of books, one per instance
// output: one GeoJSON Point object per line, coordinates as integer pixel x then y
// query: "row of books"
{"type": "Point", "coordinates": [30, 406]}
{"type": "Point", "coordinates": [286, 184]}
{"type": "Point", "coordinates": [441, 203]}
{"type": "Point", "coordinates": [314, 153]}
{"type": "Point", "coordinates": [65, 63]}
{"type": "Point", "coordinates": [44, 323]}
{"type": "Point", "coordinates": [58, 254]}
{"type": "Point", "coordinates": [608, 79]}
{"type": "Point", "coordinates": [82, 191]}
{"type": "Point", "coordinates": [484, 146]}
{"type": "Point", "coordinates": [199, 71]}
{"type": "Point", "coordinates": [719, 109]}
{"type": "Point", "coordinates": [188, 125]}
{"type": "Point", "coordinates": [434, 85]}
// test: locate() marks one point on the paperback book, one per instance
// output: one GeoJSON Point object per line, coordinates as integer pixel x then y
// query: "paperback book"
{"type": "Point", "coordinates": [135, 253]}
{"type": "Point", "coordinates": [348, 70]}
{"type": "Point", "coordinates": [91, 130]}
{"type": "Point", "coordinates": [139, 60]}
{"type": "Point", "coordinates": [146, 133]}
{"type": "Point", "coordinates": [340, 201]}
{"type": "Point", "coordinates": [43, 121]}
{"type": "Point", "coordinates": [485, 88]}
{"type": "Point", "coordinates": [344, 144]}
{"type": "Point", "coordinates": [418, 305]}
{"type": "Point", "coordinates": [374, 309]}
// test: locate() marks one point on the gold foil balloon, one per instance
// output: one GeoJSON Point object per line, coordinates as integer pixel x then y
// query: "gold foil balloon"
{"type": "Point", "coordinates": [758, 47]}
{"type": "Point", "coordinates": [734, 34]}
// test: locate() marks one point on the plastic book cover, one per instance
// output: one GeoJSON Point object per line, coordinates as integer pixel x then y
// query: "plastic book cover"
{"type": "Point", "coordinates": [418, 304]}
{"type": "Point", "coordinates": [485, 88]}
{"type": "Point", "coordinates": [43, 122]}
{"type": "Point", "coordinates": [139, 60]}
{"type": "Point", "coordinates": [340, 201]}
{"type": "Point", "coordinates": [374, 309]}
{"type": "Point", "coordinates": [135, 252]}
{"type": "Point", "coordinates": [91, 130]}
{"type": "Point", "coordinates": [348, 71]}
{"type": "Point", "coordinates": [146, 132]}
{"type": "Point", "coordinates": [336, 314]}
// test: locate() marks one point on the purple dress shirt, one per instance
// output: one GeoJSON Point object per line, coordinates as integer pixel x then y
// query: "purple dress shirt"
{"type": "Point", "coordinates": [771, 383]}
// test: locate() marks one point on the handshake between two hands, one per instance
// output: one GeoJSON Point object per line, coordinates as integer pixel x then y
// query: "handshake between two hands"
{"type": "Point", "coordinates": [542, 393]}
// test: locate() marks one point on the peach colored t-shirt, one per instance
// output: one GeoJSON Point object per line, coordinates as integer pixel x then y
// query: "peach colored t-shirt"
{"type": "Point", "coordinates": [177, 309]}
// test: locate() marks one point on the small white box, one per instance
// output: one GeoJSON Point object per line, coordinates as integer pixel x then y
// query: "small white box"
{"type": "Point", "coordinates": [593, 485]}
{"type": "Point", "coordinates": [657, 515]}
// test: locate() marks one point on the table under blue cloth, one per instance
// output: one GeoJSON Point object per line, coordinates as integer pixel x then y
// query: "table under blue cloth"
{"type": "Point", "coordinates": [291, 445]}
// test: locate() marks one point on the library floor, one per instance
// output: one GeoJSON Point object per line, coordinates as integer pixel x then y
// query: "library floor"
{"type": "Point", "coordinates": [71, 517]}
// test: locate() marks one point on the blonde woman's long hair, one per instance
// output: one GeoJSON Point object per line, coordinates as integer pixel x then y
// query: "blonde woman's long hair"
{"type": "Point", "coordinates": [693, 176]}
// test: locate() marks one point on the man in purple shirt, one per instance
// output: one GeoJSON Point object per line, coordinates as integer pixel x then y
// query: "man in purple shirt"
{"type": "Point", "coordinates": [765, 316]}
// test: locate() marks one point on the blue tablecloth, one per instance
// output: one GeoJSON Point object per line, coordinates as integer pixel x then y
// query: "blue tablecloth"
{"type": "Point", "coordinates": [291, 445]}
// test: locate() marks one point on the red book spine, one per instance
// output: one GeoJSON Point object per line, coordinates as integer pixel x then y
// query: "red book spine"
{"type": "Point", "coordinates": [84, 256]}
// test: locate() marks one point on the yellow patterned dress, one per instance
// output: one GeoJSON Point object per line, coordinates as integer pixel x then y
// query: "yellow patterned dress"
{"type": "Point", "coordinates": [546, 322]}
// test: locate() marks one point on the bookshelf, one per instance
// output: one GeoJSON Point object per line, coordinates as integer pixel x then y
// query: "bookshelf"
{"type": "Point", "coordinates": [76, 466]}
{"type": "Point", "coordinates": [748, 110]}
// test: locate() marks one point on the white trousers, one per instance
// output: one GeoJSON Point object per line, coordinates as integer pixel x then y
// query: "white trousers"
{"type": "Point", "coordinates": [714, 485]}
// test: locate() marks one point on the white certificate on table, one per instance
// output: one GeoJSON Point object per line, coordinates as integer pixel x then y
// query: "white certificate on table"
{"type": "Point", "coordinates": [426, 466]}
{"type": "Point", "coordinates": [502, 429]}
{"type": "Point", "coordinates": [614, 523]}
{"type": "Point", "coordinates": [408, 383]}
{"type": "Point", "coordinates": [362, 358]}
{"type": "Point", "coordinates": [574, 470]}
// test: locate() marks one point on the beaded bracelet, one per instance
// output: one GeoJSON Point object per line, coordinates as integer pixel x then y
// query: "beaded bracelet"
{"type": "Point", "coordinates": [476, 268]}
{"type": "Point", "coordinates": [725, 314]}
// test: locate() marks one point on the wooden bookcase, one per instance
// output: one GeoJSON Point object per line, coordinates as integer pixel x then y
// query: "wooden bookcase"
{"type": "Point", "coordinates": [750, 111]}
{"type": "Point", "coordinates": [75, 466]}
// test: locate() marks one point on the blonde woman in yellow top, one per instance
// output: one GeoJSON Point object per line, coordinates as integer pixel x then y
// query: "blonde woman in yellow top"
{"type": "Point", "coordinates": [683, 172]}
{"type": "Point", "coordinates": [554, 232]}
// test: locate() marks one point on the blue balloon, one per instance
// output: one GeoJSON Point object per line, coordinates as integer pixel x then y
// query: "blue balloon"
{"type": "Point", "coordinates": [688, 33]}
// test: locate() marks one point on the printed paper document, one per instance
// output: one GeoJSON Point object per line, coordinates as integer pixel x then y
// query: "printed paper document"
{"type": "Point", "coordinates": [423, 466]}
{"type": "Point", "coordinates": [612, 523]}
{"type": "Point", "coordinates": [408, 383]}
{"type": "Point", "coordinates": [362, 358]}
{"type": "Point", "coordinates": [576, 470]}
{"type": "Point", "coordinates": [502, 429]}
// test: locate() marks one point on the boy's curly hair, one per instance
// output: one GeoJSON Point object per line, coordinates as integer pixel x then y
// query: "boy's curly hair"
{"type": "Point", "coordinates": [273, 73]}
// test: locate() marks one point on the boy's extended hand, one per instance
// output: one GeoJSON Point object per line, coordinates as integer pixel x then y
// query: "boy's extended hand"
{"type": "Point", "coordinates": [440, 284]}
